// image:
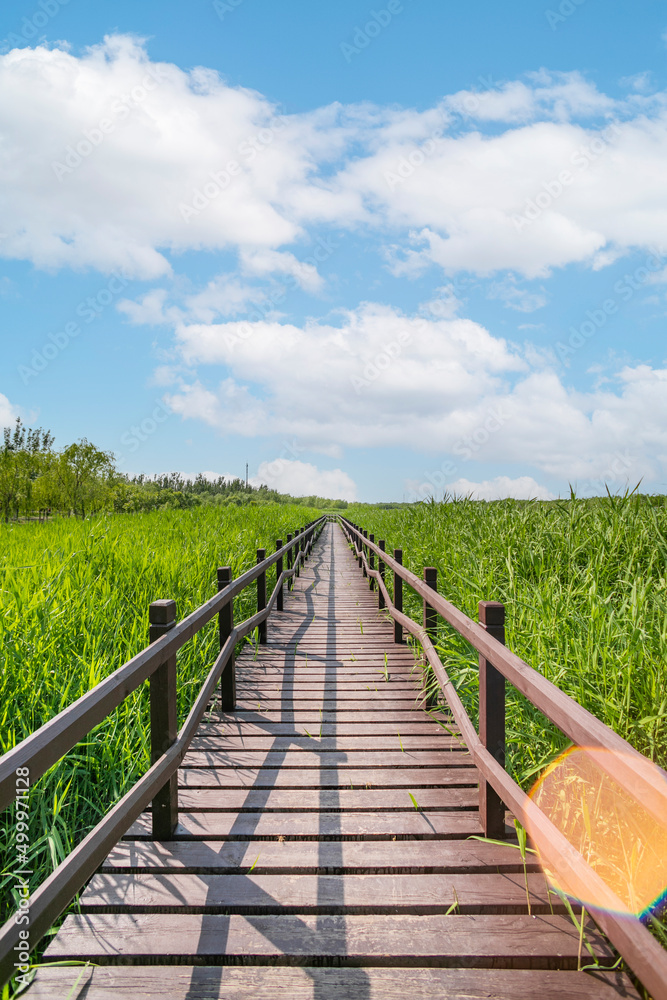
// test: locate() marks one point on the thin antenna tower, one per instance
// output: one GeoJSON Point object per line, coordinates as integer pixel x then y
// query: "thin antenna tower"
{"type": "Point", "coordinates": [246, 475]}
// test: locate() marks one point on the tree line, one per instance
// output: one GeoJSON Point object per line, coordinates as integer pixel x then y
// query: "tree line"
{"type": "Point", "coordinates": [37, 480]}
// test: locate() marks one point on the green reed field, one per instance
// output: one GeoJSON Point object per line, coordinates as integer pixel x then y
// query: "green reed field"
{"type": "Point", "coordinates": [585, 588]}
{"type": "Point", "coordinates": [74, 599]}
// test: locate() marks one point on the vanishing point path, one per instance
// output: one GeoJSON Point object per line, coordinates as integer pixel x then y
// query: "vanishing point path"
{"type": "Point", "coordinates": [323, 845]}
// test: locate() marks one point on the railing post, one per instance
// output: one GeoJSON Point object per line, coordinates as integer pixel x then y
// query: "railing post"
{"type": "Point", "coordinates": [261, 594]}
{"type": "Point", "coordinates": [492, 719]}
{"type": "Point", "coordinates": [297, 554]}
{"type": "Point", "coordinates": [225, 626]}
{"type": "Point", "coordinates": [381, 568]}
{"type": "Point", "coordinates": [290, 558]}
{"type": "Point", "coordinates": [279, 570]}
{"type": "Point", "coordinates": [371, 561]}
{"type": "Point", "coordinates": [361, 547]}
{"type": "Point", "coordinates": [364, 551]}
{"type": "Point", "coordinates": [430, 614]}
{"type": "Point", "coordinates": [398, 595]}
{"type": "Point", "coordinates": [164, 720]}
{"type": "Point", "coordinates": [430, 618]}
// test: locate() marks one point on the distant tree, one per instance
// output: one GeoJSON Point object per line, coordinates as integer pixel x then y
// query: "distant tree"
{"type": "Point", "coordinates": [23, 459]}
{"type": "Point", "coordinates": [82, 476]}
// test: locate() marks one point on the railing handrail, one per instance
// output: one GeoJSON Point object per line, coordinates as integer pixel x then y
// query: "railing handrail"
{"type": "Point", "coordinates": [644, 954]}
{"type": "Point", "coordinates": [48, 744]}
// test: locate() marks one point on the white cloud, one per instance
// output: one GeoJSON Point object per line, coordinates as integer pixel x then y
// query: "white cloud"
{"type": "Point", "coordinates": [375, 377]}
{"type": "Point", "coordinates": [8, 412]}
{"type": "Point", "coordinates": [302, 479]}
{"type": "Point", "coordinates": [549, 95]}
{"type": "Point", "coordinates": [113, 161]}
{"type": "Point", "coordinates": [515, 296]}
{"type": "Point", "coordinates": [106, 152]}
{"type": "Point", "coordinates": [267, 262]}
{"type": "Point", "coordinates": [500, 488]}
{"type": "Point", "coordinates": [438, 386]}
{"type": "Point", "coordinates": [150, 309]}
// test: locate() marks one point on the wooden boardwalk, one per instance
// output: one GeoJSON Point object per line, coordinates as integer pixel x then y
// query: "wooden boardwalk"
{"type": "Point", "coordinates": [322, 846]}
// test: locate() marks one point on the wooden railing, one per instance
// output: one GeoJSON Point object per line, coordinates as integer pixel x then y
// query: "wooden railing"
{"type": "Point", "coordinates": [157, 662]}
{"type": "Point", "coordinates": [648, 787]}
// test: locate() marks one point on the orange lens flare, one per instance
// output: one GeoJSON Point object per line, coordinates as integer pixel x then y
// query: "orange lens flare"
{"type": "Point", "coordinates": [624, 844]}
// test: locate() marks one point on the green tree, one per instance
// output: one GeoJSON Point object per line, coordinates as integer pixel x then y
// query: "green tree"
{"type": "Point", "coordinates": [23, 457]}
{"type": "Point", "coordinates": [82, 476]}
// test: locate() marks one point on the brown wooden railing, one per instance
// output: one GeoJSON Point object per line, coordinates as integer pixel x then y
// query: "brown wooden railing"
{"type": "Point", "coordinates": [644, 955]}
{"type": "Point", "coordinates": [157, 662]}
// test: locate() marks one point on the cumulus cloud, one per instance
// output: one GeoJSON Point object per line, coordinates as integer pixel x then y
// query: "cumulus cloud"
{"type": "Point", "coordinates": [8, 412]}
{"type": "Point", "coordinates": [438, 386]}
{"type": "Point", "coordinates": [111, 160]}
{"type": "Point", "coordinates": [377, 375]}
{"type": "Point", "coordinates": [301, 479]}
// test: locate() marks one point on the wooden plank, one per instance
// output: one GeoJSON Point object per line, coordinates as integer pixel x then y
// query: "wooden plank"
{"type": "Point", "coordinates": [274, 983]}
{"type": "Point", "coordinates": [447, 759]}
{"type": "Point", "coordinates": [318, 826]}
{"type": "Point", "coordinates": [350, 708]}
{"type": "Point", "coordinates": [334, 894]}
{"type": "Point", "coordinates": [338, 691]}
{"type": "Point", "coordinates": [477, 941]}
{"type": "Point", "coordinates": [324, 857]}
{"type": "Point", "coordinates": [303, 778]}
{"type": "Point", "coordinates": [237, 800]}
{"type": "Point", "coordinates": [415, 746]}
{"type": "Point", "coordinates": [333, 728]}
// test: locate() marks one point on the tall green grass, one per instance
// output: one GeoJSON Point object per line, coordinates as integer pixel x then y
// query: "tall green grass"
{"type": "Point", "coordinates": [74, 599]}
{"type": "Point", "coordinates": [585, 588]}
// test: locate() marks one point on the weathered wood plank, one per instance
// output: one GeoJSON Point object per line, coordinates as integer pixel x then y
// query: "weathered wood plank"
{"type": "Point", "coordinates": [335, 894]}
{"type": "Point", "coordinates": [374, 745]}
{"type": "Point", "coordinates": [440, 857]}
{"type": "Point", "coordinates": [358, 717]}
{"type": "Point", "coordinates": [384, 799]}
{"type": "Point", "coordinates": [415, 746]}
{"type": "Point", "coordinates": [277, 983]}
{"type": "Point", "coordinates": [294, 777]}
{"type": "Point", "coordinates": [319, 826]}
{"type": "Point", "coordinates": [333, 728]}
{"type": "Point", "coordinates": [214, 757]}
{"type": "Point", "coordinates": [477, 941]}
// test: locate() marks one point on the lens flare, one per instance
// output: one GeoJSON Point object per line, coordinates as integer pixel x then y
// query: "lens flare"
{"type": "Point", "coordinates": [624, 843]}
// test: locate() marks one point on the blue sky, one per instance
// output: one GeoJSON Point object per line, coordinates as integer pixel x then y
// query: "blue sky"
{"type": "Point", "coordinates": [374, 251]}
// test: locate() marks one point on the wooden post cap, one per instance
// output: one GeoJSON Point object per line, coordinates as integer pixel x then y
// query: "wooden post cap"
{"type": "Point", "coordinates": [491, 613]}
{"type": "Point", "coordinates": [162, 612]}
